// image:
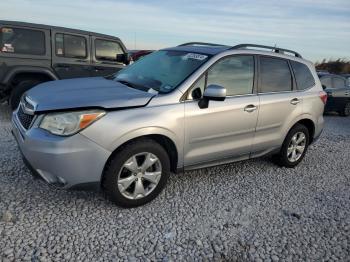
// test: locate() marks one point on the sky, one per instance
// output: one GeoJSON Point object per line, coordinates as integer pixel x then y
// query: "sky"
{"type": "Point", "coordinates": [316, 29]}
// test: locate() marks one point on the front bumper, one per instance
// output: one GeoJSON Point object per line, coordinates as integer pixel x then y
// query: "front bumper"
{"type": "Point", "coordinates": [65, 162]}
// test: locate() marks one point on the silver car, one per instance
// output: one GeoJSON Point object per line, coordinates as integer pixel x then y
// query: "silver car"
{"type": "Point", "coordinates": [181, 108]}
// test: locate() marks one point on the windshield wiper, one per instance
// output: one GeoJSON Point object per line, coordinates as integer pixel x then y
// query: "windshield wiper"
{"type": "Point", "coordinates": [124, 82]}
{"type": "Point", "coordinates": [132, 85]}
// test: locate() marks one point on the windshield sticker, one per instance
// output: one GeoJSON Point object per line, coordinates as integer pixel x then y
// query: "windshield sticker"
{"type": "Point", "coordinates": [8, 48]}
{"type": "Point", "coordinates": [6, 30]}
{"type": "Point", "coordinates": [167, 87]}
{"type": "Point", "coordinates": [195, 56]}
{"type": "Point", "coordinates": [59, 51]}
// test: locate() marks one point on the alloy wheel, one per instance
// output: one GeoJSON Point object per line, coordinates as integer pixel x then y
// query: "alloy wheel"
{"type": "Point", "coordinates": [139, 175]}
{"type": "Point", "coordinates": [296, 147]}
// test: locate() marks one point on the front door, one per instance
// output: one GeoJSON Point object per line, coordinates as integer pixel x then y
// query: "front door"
{"type": "Point", "coordinates": [70, 55]}
{"type": "Point", "coordinates": [104, 53]}
{"type": "Point", "coordinates": [225, 129]}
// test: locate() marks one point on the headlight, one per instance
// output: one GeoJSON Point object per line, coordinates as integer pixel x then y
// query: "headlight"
{"type": "Point", "coordinates": [69, 123]}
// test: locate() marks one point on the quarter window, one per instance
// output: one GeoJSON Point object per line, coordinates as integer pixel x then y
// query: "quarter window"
{"type": "Point", "coordinates": [71, 46]}
{"type": "Point", "coordinates": [235, 73]}
{"type": "Point", "coordinates": [107, 50]}
{"type": "Point", "coordinates": [303, 75]}
{"type": "Point", "coordinates": [338, 82]}
{"type": "Point", "coordinates": [22, 41]}
{"type": "Point", "coordinates": [275, 75]}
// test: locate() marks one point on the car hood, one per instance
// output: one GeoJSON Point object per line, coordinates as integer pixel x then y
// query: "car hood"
{"type": "Point", "coordinates": [85, 93]}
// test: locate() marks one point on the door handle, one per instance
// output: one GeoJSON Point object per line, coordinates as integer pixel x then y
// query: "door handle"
{"type": "Point", "coordinates": [295, 101]}
{"type": "Point", "coordinates": [250, 108]}
{"type": "Point", "coordinates": [63, 66]}
{"type": "Point", "coordinates": [98, 68]}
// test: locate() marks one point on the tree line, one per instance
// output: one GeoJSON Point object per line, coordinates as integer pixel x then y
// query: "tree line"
{"type": "Point", "coordinates": [339, 66]}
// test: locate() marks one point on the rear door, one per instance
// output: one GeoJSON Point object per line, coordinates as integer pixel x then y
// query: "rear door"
{"type": "Point", "coordinates": [70, 54]}
{"type": "Point", "coordinates": [104, 52]}
{"type": "Point", "coordinates": [280, 103]}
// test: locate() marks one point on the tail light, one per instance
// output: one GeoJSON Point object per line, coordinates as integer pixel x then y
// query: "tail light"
{"type": "Point", "coordinates": [323, 97]}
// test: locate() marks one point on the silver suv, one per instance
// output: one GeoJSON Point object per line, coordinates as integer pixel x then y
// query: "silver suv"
{"type": "Point", "coordinates": [181, 108]}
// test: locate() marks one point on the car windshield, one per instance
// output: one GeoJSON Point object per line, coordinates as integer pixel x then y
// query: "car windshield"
{"type": "Point", "coordinates": [161, 71]}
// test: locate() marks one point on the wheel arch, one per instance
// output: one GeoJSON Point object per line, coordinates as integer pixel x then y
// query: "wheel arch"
{"type": "Point", "coordinates": [309, 123]}
{"type": "Point", "coordinates": [167, 143]}
{"type": "Point", "coordinates": [22, 73]}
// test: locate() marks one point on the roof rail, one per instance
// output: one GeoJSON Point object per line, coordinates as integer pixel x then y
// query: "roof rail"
{"type": "Point", "coordinates": [274, 49]}
{"type": "Point", "coordinates": [200, 43]}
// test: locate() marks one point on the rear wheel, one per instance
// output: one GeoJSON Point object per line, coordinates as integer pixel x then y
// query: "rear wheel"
{"type": "Point", "coordinates": [346, 110]}
{"type": "Point", "coordinates": [294, 147]}
{"type": "Point", "coordinates": [137, 173]}
{"type": "Point", "coordinates": [19, 90]}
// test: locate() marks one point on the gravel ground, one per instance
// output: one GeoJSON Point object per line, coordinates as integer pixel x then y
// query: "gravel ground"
{"type": "Point", "coordinates": [245, 211]}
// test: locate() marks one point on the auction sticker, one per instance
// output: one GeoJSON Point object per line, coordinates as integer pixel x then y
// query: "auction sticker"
{"type": "Point", "coordinates": [195, 56]}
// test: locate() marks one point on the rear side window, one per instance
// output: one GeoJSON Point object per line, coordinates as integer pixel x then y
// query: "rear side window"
{"type": "Point", "coordinates": [235, 73]}
{"type": "Point", "coordinates": [338, 82]}
{"type": "Point", "coordinates": [303, 75]}
{"type": "Point", "coordinates": [107, 50]}
{"type": "Point", "coordinates": [275, 75]}
{"type": "Point", "coordinates": [70, 46]}
{"type": "Point", "coordinates": [22, 41]}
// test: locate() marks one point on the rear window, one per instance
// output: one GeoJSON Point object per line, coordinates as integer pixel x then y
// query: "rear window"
{"type": "Point", "coordinates": [274, 75]}
{"type": "Point", "coordinates": [107, 50]}
{"type": "Point", "coordinates": [303, 75]}
{"type": "Point", "coordinates": [22, 41]}
{"type": "Point", "coordinates": [70, 46]}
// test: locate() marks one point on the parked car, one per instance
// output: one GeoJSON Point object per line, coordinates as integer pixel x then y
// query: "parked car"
{"type": "Point", "coordinates": [181, 108]}
{"type": "Point", "coordinates": [137, 54]}
{"type": "Point", "coordinates": [31, 54]}
{"type": "Point", "coordinates": [338, 93]}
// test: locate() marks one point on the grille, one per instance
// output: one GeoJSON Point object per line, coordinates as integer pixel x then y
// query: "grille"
{"type": "Point", "coordinates": [24, 118]}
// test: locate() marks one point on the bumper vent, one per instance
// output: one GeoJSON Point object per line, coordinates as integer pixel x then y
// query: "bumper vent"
{"type": "Point", "coordinates": [24, 118]}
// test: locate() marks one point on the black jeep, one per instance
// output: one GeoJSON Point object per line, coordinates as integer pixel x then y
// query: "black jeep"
{"type": "Point", "coordinates": [31, 54]}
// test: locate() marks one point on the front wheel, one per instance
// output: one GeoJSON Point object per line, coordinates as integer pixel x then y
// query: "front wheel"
{"type": "Point", "coordinates": [19, 90]}
{"type": "Point", "coordinates": [137, 173]}
{"type": "Point", "coordinates": [294, 147]}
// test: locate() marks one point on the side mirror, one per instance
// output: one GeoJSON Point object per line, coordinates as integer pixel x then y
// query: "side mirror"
{"type": "Point", "coordinates": [196, 93]}
{"type": "Point", "coordinates": [123, 58]}
{"type": "Point", "coordinates": [212, 92]}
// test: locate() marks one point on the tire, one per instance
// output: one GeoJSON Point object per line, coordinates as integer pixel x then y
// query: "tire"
{"type": "Point", "coordinates": [116, 171]}
{"type": "Point", "coordinates": [284, 158]}
{"type": "Point", "coordinates": [19, 90]}
{"type": "Point", "coordinates": [346, 110]}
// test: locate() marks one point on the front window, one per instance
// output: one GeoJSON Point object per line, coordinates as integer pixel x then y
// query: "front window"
{"type": "Point", "coordinates": [162, 71]}
{"type": "Point", "coordinates": [235, 73]}
{"type": "Point", "coordinates": [107, 50]}
{"type": "Point", "coordinates": [339, 82]}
